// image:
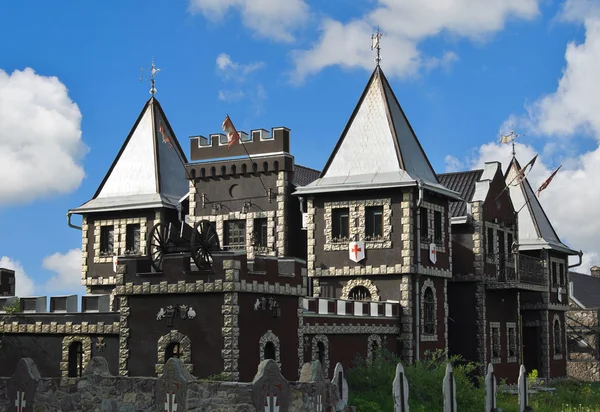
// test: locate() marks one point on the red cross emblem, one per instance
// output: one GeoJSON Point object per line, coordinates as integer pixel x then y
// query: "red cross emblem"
{"type": "Point", "coordinates": [20, 403]}
{"type": "Point", "coordinates": [171, 403]}
{"type": "Point", "coordinates": [357, 251]}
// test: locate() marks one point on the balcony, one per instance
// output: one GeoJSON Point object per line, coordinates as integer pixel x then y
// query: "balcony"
{"type": "Point", "coordinates": [509, 268]}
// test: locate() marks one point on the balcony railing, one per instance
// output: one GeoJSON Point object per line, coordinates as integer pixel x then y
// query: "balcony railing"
{"type": "Point", "coordinates": [505, 268]}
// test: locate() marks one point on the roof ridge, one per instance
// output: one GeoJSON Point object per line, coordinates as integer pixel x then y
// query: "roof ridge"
{"type": "Point", "coordinates": [309, 168]}
{"type": "Point", "coordinates": [464, 171]}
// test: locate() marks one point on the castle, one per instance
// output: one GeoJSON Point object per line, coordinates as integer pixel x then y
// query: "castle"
{"type": "Point", "coordinates": [240, 255]}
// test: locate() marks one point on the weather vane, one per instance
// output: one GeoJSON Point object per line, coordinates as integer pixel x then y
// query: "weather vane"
{"type": "Point", "coordinates": [375, 45]}
{"type": "Point", "coordinates": [153, 71]}
{"type": "Point", "coordinates": [510, 138]}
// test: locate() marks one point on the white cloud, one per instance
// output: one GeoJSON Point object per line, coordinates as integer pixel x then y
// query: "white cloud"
{"type": "Point", "coordinates": [238, 73]}
{"type": "Point", "coordinates": [23, 284]}
{"type": "Point", "coordinates": [67, 267]}
{"type": "Point", "coordinates": [405, 23]}
{"type": "Point", "coordinates": [40, 138]}
{"type": "Point", "coordinates": [271, 19]}
{"type": "Point", "coordinates": [234, 70]}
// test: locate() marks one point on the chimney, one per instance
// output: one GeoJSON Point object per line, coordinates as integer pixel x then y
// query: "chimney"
{"type": "Point", "coordinates": [595, 270]}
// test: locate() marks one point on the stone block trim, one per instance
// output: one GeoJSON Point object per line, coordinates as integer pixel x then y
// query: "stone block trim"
{"type": "Point", "coordinates": [561, 338]}
{"type": "Point", "coordinates": [428, 283]}
{"type": "Point", "coordinates": [408, 227]}
{"type": "Point", "coordinates": [124, 335]}
{"type": "Point", "coordinates": [315, 351]}
{"type": "Point", "coordinates": [343, 329]}
{"type": "Point", "coordinates": [300, 312]}
{"type": "Point", "coordinates": [367, 283]}
{"type": "Point", "coordinates": [310, 236]}
{"type": "Point", "coordinates": [55, 328]}
{"type": "Point", "coordinates": [431, 208]}
{"type": "Point", "coordinates": [511, 326]}
{"type": "Point", "coordinates": [495, 325]}
{"type": "Point", "coordinates": [266, 338]}
{"type": "Point", "coordinates": [373, 344]}
{"type": "Point", "coordinates": [481, 324]}
{"type": "Point", "coordinates": [407, 334]}
{"type": "Point", "coordinates": [357, 212]}
{"type": "Point", "coordinates": [282, 196]}
{"type": "Point", "coordinates": [174, 336]}
{"type": "Point", "coordinates": [231, 335]}
{"type": "Point", "coordinates": [86, 343]}
{"type": "Point", "coordinates": [84, 248]}
{"type": "Point", "coordinates": [120, 232]}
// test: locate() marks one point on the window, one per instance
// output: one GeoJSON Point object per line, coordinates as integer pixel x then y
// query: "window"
{"type": "Point", "coordinates": [557, 337]}
{"type": "Point", "coordinates": [173, 350]}
{"type": "Point", "coordinates": [490, 242]}
{"type": "Point", "coordinates": [512, 341]}
{"type": "Point", "coordinates": [260, 234]}
{"type": "Point", "coordinates": [561, 273]}
{"type": "Point", "coordinates": [437, 227]}
{"type": "Point", "coordinates": [132, 241]}
{"type": "Point", "coordinates": [359, 293]}
{"type": "Point", "coordinates": [374, 223]}
{"type": "Point", "coordinates": [424, 225]}
{"type": "Point", "coordinates": [235, 234]}
{"type": "Point", "coordinates": [321, 353]}
{"type": "Point", "coordinates": [107, 237]}
{"type": "Point", "coordinates": [554, 279]}
{"type": "Point", "coordinates": [509, 241]}
{"type": "Point", "coordinates": [496, 345]}
{"type": "Point", "coordinates": [340, 224]}
{"type": "Point", "coordinates": [75, 360]}
{"type": "Point", "coordinates": [429, 312]}
{"type": "Point", "coordinates": [269, 350]}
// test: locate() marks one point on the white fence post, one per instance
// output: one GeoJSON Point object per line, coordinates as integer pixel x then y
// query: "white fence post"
{"type": "Point", "coordinates": [523, 390]}
{"type": "Point", "coordinates": [400, 390]}
{"type": "Point", "coordinates": [449, 390]}
{"type": "Point", "coordinates": [490, 389]}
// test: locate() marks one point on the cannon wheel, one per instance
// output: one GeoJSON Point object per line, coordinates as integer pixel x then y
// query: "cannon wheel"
{"type": "Point", "coordinates": [204, 242]}
{"type": "Point", "coordinates": [157, 245]}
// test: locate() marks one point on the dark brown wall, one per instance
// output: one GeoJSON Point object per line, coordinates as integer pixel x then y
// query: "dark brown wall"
{"type": "Point", "coordinates": [387, 285]}
{"type": "Point", "coordinates": [425, 347]}
{"type": "Point", "coordinates": [254, 324]}
{"type": "Point", "coordinates": [463, 258]}
{"type": "Point", "coordinates": [462, 330]}
{"type": "Point", "coordinates": [204, 332]}
{"type": "Point", "coordinates": [442, 258]}
{"type": "Point", "coordinates": [501, 306]}
{"type": "Point", "coordinates": [498, 205]}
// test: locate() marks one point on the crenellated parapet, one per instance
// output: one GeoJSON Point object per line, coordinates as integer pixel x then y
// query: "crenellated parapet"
{"type": "Point", "coordinates": [30, 305]}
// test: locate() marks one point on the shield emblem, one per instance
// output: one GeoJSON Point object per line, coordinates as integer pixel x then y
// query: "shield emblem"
{"type": "Point", "coordinates": [115, 263]}
{"type": "Point", "coordinates": [356, 251]}
{"type": "Point", "coordinates": [432, 253]}
{"type": "Point", "coordinates": [183, 309]}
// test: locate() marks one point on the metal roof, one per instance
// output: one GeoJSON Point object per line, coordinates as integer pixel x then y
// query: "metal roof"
{"type": "Point", "coordinates": [463, 183]}
{"type": "Point", "coordinates": [147, 172]}
{"type": "Point", "coordinates": [586, 290]}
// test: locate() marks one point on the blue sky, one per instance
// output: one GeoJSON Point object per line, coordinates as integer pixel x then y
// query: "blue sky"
{"type": "Point", "coordinates": [462, 71]}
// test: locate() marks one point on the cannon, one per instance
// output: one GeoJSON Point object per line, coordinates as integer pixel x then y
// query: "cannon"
{"type": "Point", "coordinates": [170, 238]}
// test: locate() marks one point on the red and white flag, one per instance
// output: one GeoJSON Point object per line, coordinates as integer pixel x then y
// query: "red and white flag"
{"type": "Point", "coordinates": [165, 136]}
{"type": "Point", "coordinates": [229, 129]}
{"type": "Point", "coordinates": [547, 181]}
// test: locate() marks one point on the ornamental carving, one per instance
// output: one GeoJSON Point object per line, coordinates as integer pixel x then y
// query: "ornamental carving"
{"type": "Point", "coordinates": [171, 311]}
{"type": "Point", "coordinates": [366, 283]}
{"type": "Point", "coordinates": [268, 304]}
{"type": "Point", "coordinates": [86, 346]}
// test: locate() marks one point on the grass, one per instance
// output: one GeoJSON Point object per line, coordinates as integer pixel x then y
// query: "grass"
{"type": "Point", "coordinates": [370, 387]}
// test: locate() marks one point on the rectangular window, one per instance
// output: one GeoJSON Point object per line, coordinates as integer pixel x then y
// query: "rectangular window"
{"type": "Point", "coordinates": [235, 234]}
{"type": "Point", "coordinates": [132, 241]}
{"type": "Point", "coordinates": [107, 240]}
{"type": "Point", "coordinates": [340, 224]}
{"type": "Point", "coordinates": [512, 342]}
{"type": "Point", "coordinates": [437, 227]}
{"type": "Point", "coordinates": [496, 345]}
{"type": "Point", "coordinates": [561, 272]}
{"type": "Point", "coordinates": [374, 223]}
{"type": "Point", "coordinates": [424, 225]}
{"type": "Point", "coordinates": [509, 242]}
{"type": "Point", "coordinates": [491, 242]}
{"type": "Point", "coordinates": [554, 277]}
{"type": "Point", "coordinates": [260, 232]}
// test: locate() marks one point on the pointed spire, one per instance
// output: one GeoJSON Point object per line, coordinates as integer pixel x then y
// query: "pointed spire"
{"type": "Point", "coordinates": [375, 38]}
{"type": "Point", "coordinates": [510, 138]}
{"type": "Point", "coordinates": [153, 71]}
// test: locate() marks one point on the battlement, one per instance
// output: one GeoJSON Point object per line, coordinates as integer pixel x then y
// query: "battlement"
{"type": "Point", "coordinates": [7, 282]}
{"type": "Point", "coordinates": [58, 304]}
{"type": "Point", "coordinates": [258, 142]}
{"type": "Point", "coordinates": [339, 307]}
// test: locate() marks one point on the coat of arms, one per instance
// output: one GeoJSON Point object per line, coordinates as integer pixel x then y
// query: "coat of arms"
{"type": "Point", "coordinates": [432, 253]}
{"type": "Point", "coordinates": [357, 251]}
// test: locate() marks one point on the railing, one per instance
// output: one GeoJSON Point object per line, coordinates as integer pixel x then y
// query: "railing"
{"type": "Point", "coordinates": [531, 270]}
{"type": "Point", "coordinates": [501, 268]}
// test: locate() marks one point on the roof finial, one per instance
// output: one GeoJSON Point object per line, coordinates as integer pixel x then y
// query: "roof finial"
{"type": "Point", "coordinates": [153, 71]}
{"type": "Point", "coordinates": [375, 45]}
{"type": "Point", "coordinates": [510, 138]}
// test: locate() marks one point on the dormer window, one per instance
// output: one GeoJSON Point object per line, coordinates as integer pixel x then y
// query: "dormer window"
{"type": "Point", "coordinates": [374, 223]}
{"type": "Point", "coordinates": [107, 237]}
{"type": "Point", "coordinates": [340, 224]}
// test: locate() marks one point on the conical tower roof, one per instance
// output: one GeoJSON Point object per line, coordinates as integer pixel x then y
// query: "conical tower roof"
{"type": "Point", "coordinates": [148, 171]}
{"type": "Point", "coordinates": [378, 148]}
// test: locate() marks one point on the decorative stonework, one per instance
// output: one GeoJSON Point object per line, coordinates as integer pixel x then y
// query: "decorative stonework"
{"type": "Point", "coordinates": [119, 240]}
{"type": "Point", "coordinates": [186, 347]}
{"type": "Point", "coordinates": [282, 195]}
{"type": "Point", "coordinates": [230, 330]}
{"type": "Point", "coordinates": [86, 344]}
{"type": "Point", "coordinates": [343, 329]}
{"type": "Point", "coordinates": [481, 324]}
{"type": "Point", "coordinates": [367, 283]}
{"type": "Point", "coordinates": [357, 223]}
{"type": "Point", "coordinates": [495, 325]}
{"type": "Point", "coordinates": [428, 284]}
{"type": "Point", "coordinates": [446, 309]}
{"type": "Point", "coordinates": [300, 312]}
{"type": "Point", "coordinates": [60, 329]}
{"type": "Point", "coordinates": [315, 351]}
{"type": "Point", "coordinates": [511, 327]}
{"type": "Point", "coordinates": [84, 248]}
{"type": "Point", "coordinates": [431, 208]}
{"type": "Point", "coordinates": [381, 270]}
{"type": "Point", "coordinates": [270, 337]}
{"type": "Point", "coordinates": [310, 236]}
{"type": "Point", "coordinates": [371, 340]}
{"type": "Point", "coordinates": [124, 335]}
{"type": "Point", "coordinates": [408, 227]}
{"type": "Point", "coordinates": [556, 324]}
{"type": "Point", "coordinates": [407, 334]}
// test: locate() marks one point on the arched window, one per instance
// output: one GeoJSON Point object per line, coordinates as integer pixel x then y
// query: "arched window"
{"type": "Point", "coordinates": [557, 337]}
{"type": "Point", "coordinates": [254, 167]}
{"type": "Point", "coordinates": [233, 169]}
{"type": "Point", "coordinates": [373, 347]}
{"type": "Point", "coordinates": [203, 172]}
{"type": "Point", "coordinates": [193, 173]}
{"type": "Point", "coordinates": [269, 350]}
{"type": "Point", "coordinates": [244, 168]}
{"type": "Point", "coordinates": [321, 353]}
{"type": "Point", "coordinates": [75, 359]}
{"type": "Point", "coordinates": [276, 166]}
{"type": "Point", "coordinates": [223, 170]}
{"type": "Point", "coordinates": [173, 350]}
{"type": "Point", "coordinates": [265, 166]}
{"type": "Point", "coordinates": [429, 312]}
{"type": "Point", "coordinates": [213, 171]}
{"type": "Point", "coordinates": [359, 293]}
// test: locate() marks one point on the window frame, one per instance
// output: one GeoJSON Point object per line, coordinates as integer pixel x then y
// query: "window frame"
{"type": "Point", "coordinates": [495, 342]}
{"type": "Point", "coordinates": [107, 240]}
{"type": "Point", "coordinates": [260, 232]}
{"type": "Point", "coordinates": [241, 234]}
{"type": "Point", "coordinates": [438, 233]}
{"type": "Point", "coordinates": [337, 226]}
{"type": "Point", "coordinates": [424, 224]}
{"type": "Point", "coordinates": [373, 218]}
{"type": "Point", "coordinates": [490, 242]}
{"type": "Point", "coordinates": [133, 230]}
{"type": "Point", "coordinates": [512, 345]}
{"type": "Point", "coordinates": [429, 312]}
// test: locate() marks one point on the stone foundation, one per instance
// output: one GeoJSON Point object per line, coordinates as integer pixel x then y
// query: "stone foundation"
{"type": "Point", "coordinates": [585, 371]}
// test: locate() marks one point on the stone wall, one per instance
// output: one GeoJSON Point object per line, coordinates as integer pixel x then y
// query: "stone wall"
{"type": "Point", "coordinates": [174, 390]}
{"type": "Point", "coordinates": [584, 370]}
{"type": "Point", "coordinates": [583, 361]}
